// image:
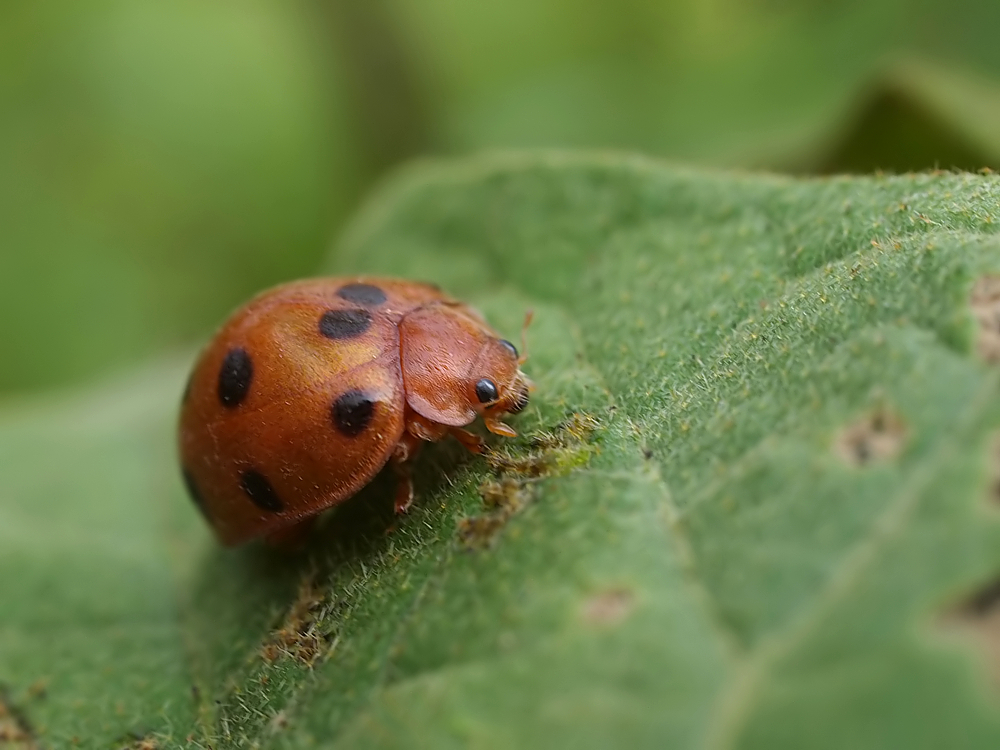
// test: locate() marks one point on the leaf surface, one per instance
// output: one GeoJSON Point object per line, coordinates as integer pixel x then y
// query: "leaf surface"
{"type": "Point", "coordinates": [752, 488]}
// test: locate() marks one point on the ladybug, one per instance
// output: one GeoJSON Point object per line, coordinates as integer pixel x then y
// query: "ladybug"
{"type": "Point", "coordinates": [311, 388]}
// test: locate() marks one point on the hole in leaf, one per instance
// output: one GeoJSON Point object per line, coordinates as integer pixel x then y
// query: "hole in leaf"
{"type": "Point", "coordinates": [878, 436]}
{"type": "Point", "coordinates": [985, 301]}
{"type": "Point", "coordinates": [979, 615]}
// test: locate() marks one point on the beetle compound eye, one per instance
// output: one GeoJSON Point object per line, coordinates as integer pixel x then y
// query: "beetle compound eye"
{"type": "Point", "coordinates": [509, 347]}
{"type": "Point", "coordinates": [486, 391]}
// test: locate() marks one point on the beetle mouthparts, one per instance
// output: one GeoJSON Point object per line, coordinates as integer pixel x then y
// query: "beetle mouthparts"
{"type": "Point", "coordinates": [521, 402]}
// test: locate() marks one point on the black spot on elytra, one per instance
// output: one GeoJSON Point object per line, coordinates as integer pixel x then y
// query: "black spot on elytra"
{"type": "Point", "coordinates": [260, 491]}
{"type": "Point", "coordinates": [235, 377]}
{"type": "Point", "coordinates": [362, 294]}
{"type": "Point", "coordinates": [352, 412]}
{"type": "Point", "coordinates": [193, 491]}
{"type": "Point", "coordinates": [344, 324]}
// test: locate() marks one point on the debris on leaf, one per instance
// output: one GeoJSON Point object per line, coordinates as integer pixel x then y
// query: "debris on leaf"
{"type": "Point", "coordinates": [510, 489]}
{"type": "Point", "coordinates": [477, 532]}
{"type": "Point", "coordinates": [301, 636]}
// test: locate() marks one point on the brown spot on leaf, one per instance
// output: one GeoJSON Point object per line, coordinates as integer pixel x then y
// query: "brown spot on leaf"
{"type": "Point", "coordinates": [502, 498]}
{"type": "Point", "coordinates": [609, 607]}
{"type": "Point", "coordinates": [979, 615]}
{"type": "Point", "coordinates": [302, 635]}
{"type": "Point", "coordinates": [15, 730]}
{"type": "Point", "coordinates": [479, 532]}
{"type": "Point", "coordinates": [507, 495]}
{"type": "Point", "coordinates": [279, 721]}
{"type": "Point", "coordinates": [993, 462]}
{"type": "Point", "coordinates": [985, 301]}
{"type": "Point", "coordinates": [878, 436]}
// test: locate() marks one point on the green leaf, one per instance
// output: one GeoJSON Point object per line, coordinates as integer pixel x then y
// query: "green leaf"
{"type": "Point", "coordinates": [750, 506]}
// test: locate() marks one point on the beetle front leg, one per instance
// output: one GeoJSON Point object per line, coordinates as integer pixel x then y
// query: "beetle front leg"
{"type": "Point", "coordinates": [472, 442]}
{"type": "Point", "coordinates": [402, 461]}
{"type": "Point", "coordinates": [494, 425]}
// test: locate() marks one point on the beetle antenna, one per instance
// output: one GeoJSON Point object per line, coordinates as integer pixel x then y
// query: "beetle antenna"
{"type": "Point", "coordinates": [524, 339]}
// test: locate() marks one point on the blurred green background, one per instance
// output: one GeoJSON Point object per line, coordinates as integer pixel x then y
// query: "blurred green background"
{"type": "Point", "coordinates": [161, 161]}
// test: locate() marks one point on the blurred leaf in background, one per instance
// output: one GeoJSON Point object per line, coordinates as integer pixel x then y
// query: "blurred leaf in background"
{"type": "Point", "coordinates": [916, 116]}
{"type": "Point", "coordinates": [159, 162]}
{"type": "Point", "coordinates": [725, 82]}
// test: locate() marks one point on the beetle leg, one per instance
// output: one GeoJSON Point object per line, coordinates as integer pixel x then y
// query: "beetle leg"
{"type": "Point", "coordinates": [404, 489]}
{"type": "Point", "coordinates": [401, 460]}
{"type": "Point", "coordinates": [497, 427]}
{"type": "Point", "coordinates": [423, 429]}
{"type": "Point", "coordinates": [472, 442]}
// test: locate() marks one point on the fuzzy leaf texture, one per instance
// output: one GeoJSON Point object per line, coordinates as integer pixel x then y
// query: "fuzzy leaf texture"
{"type": "Point", "coordinates": [752, 505]}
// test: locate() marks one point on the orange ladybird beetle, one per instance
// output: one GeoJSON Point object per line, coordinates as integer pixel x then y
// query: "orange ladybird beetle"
{"type": "Point", "coordinates": [312, 387]}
